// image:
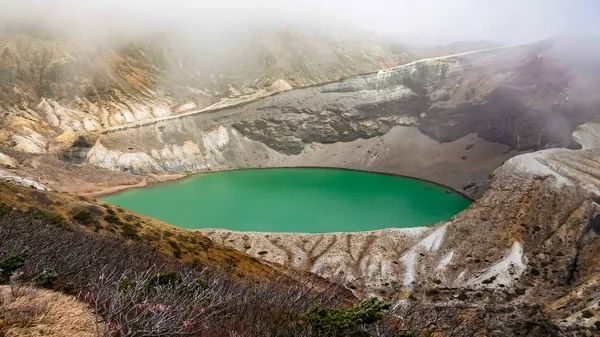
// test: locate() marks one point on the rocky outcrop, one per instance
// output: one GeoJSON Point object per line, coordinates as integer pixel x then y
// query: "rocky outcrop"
{"type": "Point", "coordinates": [465, 121]}
{"type": "Point", "coordinates": [508, 100]}
{"type": "Point", "coordinates": [54, 89]}
{"type": "Point", "coordinates": [533, 230]}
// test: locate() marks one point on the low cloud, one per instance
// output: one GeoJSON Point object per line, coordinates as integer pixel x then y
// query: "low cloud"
{"type": "Point", "coordinates": [410, 21]}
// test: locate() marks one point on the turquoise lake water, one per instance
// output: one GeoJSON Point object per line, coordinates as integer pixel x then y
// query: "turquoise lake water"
{"type": "Point", "coordinates": [305, 200]}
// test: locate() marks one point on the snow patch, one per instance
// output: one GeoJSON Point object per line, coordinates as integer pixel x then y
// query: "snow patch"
{"type": "Point", "coordinates": [187, 106]}
{"type": "Point", "coordinates": [216, 139]}
{"type": "Point", "coordinates": [7, 161]}
{"type": "Point", "coordinates": [588, 134]}
{"type": "Point", "coordinates": [535, 164]}
{"type": "Point", "coordinates": [434, 240]}
{"type": "Point", "coordinates": [409, 232]}
{"type": "Point", "coordinates": [280, 85]}
{"type": "Point", "coordinates": [409, 260]}
{"type": "Point", "coordinates": [431, 243]}
{"type": "Point", "coordinates": [506, 270]}
{"type": "Point", "coordinates": [22, 181]}
{"type": "Point", "coordinates": [445, 261]}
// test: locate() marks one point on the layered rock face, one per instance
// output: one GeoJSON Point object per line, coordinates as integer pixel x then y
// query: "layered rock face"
{"type": "Point", "coordinates": [449, 119]}
{"type": "Point", "coordinates": [55, 88]}
{"type": "Point", "coordinates": [463, 121]}
{"type": "Point", "coordinates": [526, 250]}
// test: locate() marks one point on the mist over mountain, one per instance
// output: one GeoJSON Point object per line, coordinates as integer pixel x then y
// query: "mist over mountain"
{"type": "Point", "coordinates": [426, 22]}
{"type": "Point", "coordinates": [483, 116]}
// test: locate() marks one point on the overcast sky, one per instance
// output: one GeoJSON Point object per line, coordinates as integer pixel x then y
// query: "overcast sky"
{"type": "Point", "coordinates": [412, 21]}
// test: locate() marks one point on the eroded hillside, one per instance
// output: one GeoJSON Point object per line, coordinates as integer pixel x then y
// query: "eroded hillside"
{"type": "Point", "coordinates": [512, 127]}
{"type": "Point", "coordinates": [54, 87]}
{"type": "Point", "coordinates": [451, 119]}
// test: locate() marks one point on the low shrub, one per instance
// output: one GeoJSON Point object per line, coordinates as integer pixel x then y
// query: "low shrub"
{"type": "Point", "coordinates": [83, 217]}
{"type": "Point", "coordinates": [130, 232]}
{"type": "Point", "coordinates": [176, 249]}
{"type": "Point", "coordinates": [587, 314]}
{"type": "Point", "coordinates": [344, 322]}
{"type": "Point", "coordinates": [4, 208]}
{"type": "Point", "coordinates": [125, 285]}
{"type": "Point", "coordinates": [170, 278]}
{"type": "Point", "coordinates": [52, 219]}
{"type": "Point", "coordinates": [46, 278]}
{"type": "Point", "coordinates": [10, 264]}
{"type": "Point", "coordinates": [112, 218]}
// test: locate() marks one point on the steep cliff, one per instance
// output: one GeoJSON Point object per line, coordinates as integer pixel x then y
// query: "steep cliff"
{"type": "Point", "coordinates": [456, 120]}
{"type": "Point", "coordinates": [452, 119]}
{"type": "Point", "coordinates": [54, 88]}
{"type": "Point", "coordinates": [535, 229]}
{"type": "Point", "coordinates": [470, 121]}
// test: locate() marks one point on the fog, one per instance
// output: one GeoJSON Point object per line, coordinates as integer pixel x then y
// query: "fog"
{"type": "Point", "coordinates": [418, 22]}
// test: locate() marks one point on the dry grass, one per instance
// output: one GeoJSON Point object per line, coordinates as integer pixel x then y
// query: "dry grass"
{"type": "Point", "coordinates": [188, 246]}
{"type": "Point", "coordinates": [33, 312]}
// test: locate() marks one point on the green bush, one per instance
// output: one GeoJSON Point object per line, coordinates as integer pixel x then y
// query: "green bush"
{"type": "Point", "coordinates": [46, 278]}
{"type": "Point", "coordinates": [112, 218]}
{"type": "Point", "coordinates": [176, 250]}
{"type": "Point", "coordinates": [49, 218]}
{"type": "Point", "coordinates": [4, 208]}
{"type": "Point", "coordinates": [171, 278]}
{"type": "Point", "coordinates": [201, 283]}
{"type": "Point", "coordinates": [347, 321]}
{"type": "Point", "coordinates": [69, 289]}
{"type": "Point", "coordinates": [125, 285]}
{"type": "Point", "coordinates": [10, 264]}
{"type": "Point", "coordinates": [83, 217]}
{"type": "Point", "coordinates": [130, 232]}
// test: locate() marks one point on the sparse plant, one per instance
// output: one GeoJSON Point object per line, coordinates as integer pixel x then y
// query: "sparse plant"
{"type": "Point", "coordinates": [130, 232]}
{"type": "Point", "coordinates": [125, 285]}
{"type": "Point", "coordinates": [10, 264]}
{"type": "Point", "coordinates": [46, 278]}
{"type": "Point", "coordinates": [176, 249]}
{"type": "Point", "coordinates": [587, 314]}
{"type": "Point", "coordinates": [343, 322]}
{"type": "Point", "coordinates": [83, 217]}
{"type": "Point", "coordinates": [112, 218]}
{"type": "Point", "coordinates": [150, 293]}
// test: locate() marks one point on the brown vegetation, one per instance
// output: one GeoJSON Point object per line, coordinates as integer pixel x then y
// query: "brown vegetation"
{"type": "Point", "coordinates": [138, 290]}
{"type": "Point", "coordinates": [92, 215]}
{"type": "Point", "coordinates": [33, 312]}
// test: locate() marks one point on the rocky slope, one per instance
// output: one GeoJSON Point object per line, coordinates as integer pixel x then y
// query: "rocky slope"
{"type": "Point", "coordinates": [449, 119]}
{"type": "Point", "coordinates": [54, 88]}
{"type": "Point", "coordinates": [452, 120]}
{"type": "Point", "coordinates": [535, 229]}
{"type": "Point", "coordinates": [469, 121]}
